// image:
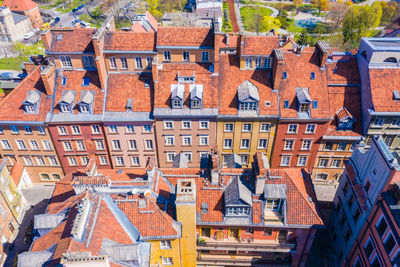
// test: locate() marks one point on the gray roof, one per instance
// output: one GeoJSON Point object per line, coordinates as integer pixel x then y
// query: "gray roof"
{"type": "Point", "coordinates": [236, 193]}
{"type": "Point", "coordinates": [248, 91]}
{"type": "Point", "coordinates": [18, 17]}
{"type": "Point", "coordinates": [302, 95]}
{"type": "Point", "coordinates": [233, 161]}
{"type": "Point", "coordinates": [47, 221]}
{"type": "Point", "coordinates": [32, 97]}
{"type": "Point", "coordinates": [86, 97]}
{"type": "Point", "coordinates": [275, 191]}
{"type": "Point", "coordinates": [196, 91]}
{"type": "Point", "coordinates": [68, 96]}
{"type": "Point", "coordinates": [180, 161]}
{"type": "Point", "coordinates": [178, 91]}
{"type": "Point", "coordinates": [34, 259]}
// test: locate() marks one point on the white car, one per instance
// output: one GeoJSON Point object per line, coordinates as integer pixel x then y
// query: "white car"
{"type": "Point", "coordinates": [29, 35]}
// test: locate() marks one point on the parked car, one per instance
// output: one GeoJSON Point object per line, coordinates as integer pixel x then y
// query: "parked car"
{"type": "Point", "coordinates": [29, 35]}
{"type": "Point", "coordinates": [6, 76]}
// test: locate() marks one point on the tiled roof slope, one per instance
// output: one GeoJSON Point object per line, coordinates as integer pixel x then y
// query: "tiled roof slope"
{"type": "Point", "coordinates": [11, 105]}
{"type": "Point", "coordinates": [19, 5]}
{"type": "Point", "coordinates": [74, 82]}
{"type": "Point", "coordinates": [231, 77]}
{"type": "Point", "coordinates": [185, 36]}
{"type": "Point", "coordinates": [72, 40]}
{"type": "Point", "coordinates": [16, 172]}
{"type": "Point", "coordinates": [343, 72]}
{"type": "Point", "coordinates": [130, 41]}
{"type": "Point", "coordinates": [383, 83]}
{"type": "Point", "coordinates": [299, 68]}
{"type": "Point", "coordinates": [167, 76]}
{"type": "Point", "coordinates": [122, 86]}
{"type": "Point", "coordinates": [259, 45]}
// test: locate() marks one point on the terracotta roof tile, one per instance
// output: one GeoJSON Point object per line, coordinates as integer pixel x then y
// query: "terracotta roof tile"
{"type": "Point", "coordinates": [259, 45]}
{"type": "Point", "coordinates": [19, 5]}
{"type": "Point", "coordinates": [185, 36]}
{"type": "Point", "coordinates": [72, 40]}
{"type": "Point", "coordinates": [343, 72]}
{"type": "Point", "coordinates": [383, 83]}
{"type": "Point", "coordinates": [123, 86]}
{"type": "Point", "coordinates": [16, 172]}
{"type": "Point", "coordinates": [133, 41]}
{"type": "Point", "coordinates": [137, 27]}
{"type": "Point", "coordinates": [153, 22]}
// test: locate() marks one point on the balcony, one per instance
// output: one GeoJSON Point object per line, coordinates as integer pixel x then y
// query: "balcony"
{"type": "Point", "coordinates": [230, 260]}
{"type": "Point", "coordinates": [233, 244]}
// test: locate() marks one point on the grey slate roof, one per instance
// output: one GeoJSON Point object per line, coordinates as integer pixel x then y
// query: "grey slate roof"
{"type": "Point", "coordinates": [47, 221]}
{"type": "Point", "coordinates": [237, 193]}
{"type": "Point", "coordinates": [233, 161]}
{"type": "Point", "coordinates": [34, 259]}
{"type": "Point", "coordinates": [32, 97]}
{"type": "Point", "coordinates": [177, 91]}
{"type": "Point", "coordinates": [196, 91]}
{"type": "Point", "coordinates": [18, 17]}
{"type": "Point", "coordinates": [275, 191]}
{"type": "Point", "coordinates": [248, 91]}
{"type": "Point", "coordinates": [180, 161]}
{"type": "Point", "coordinates": [68, 96]}
{"type": "Point", "coordinates": [302, 95]}
{"type": "Point", "coordinates": [86, 97]}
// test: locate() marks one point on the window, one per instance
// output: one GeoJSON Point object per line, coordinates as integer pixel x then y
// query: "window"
{"type": "Point", "coordinates": [244, 159]}
{"type": "Point", "coordinates": [6, 145]}
{"type": "Point", "coordinates": [396, 123]}
{"type": "Point", "coordinates": [139, 64]}
{"type": "Point", "coordinates": [262, 143]}
{"type": "Point", "coordinates": [29, 108]}
{"type": "Point", "coordinates": [227, 143]}
{"type": "Point", "coordinates": [315, 104]}
{"type": "Point", "coordinates": [95, 129]}
{"type": "Point", "coordinates": [40, 161]}
{"type": "Point", "coordinates": [169, 140]}
{"type": "Point", "coordinates": [302, 161]}
{"type": "Point", "coordinates": [321, 176]}
{"type": "Point", "coordinates": [286, 104]}
{"type": "Point", "coordinates": [41, 130]}
{"type": "Point", "coordinates": [274, 204]}
{"type": "Point", "coordinates": [381, 226]}
{"type": "Point", "coordinates": [21, 145]}
{"type": "Point", "coordinates": [265, 127]}
{"type": "Point", "coordinates": [203, 140]}
{"type": "Point", "coordinates": [188, 155]}
{"type": "Point", "coordinates": [228, 127]}
{"type": "Point", "coordinates": [194, 103]}
{"type": "Point", "coordinates": [267, 62]}
{"type": "Point", "coordinates": [328, 146]}
{"type": "Point", "coordinates": [341, 146]}
{"type": "Point", "coordinates": [148, 61]}
{"type": "Point", "coordinates": [113, 63]}
{"type": "Point", "coordinates": [113, 129]}
{"type": "Point", "coordinates": [306, 145]}
{"type": "Point", "coordinates": [167, 55]}
{"type": "Point", "coordinates": [312, 76]}
{"type": "Point", "coordinates": [53, 161]}
{"type": "Point", "coordinates": [186, 56]}
{"type": "Point", "coordinates": [76, 129]}
{"type": "Point", "coordinates": [204, 56]}
{"type": "Point", "coordinates": [103, 160]}
{"type": "Point", "coordinates": [336, 163]}
{"type": "Point", "coordinates": [119, 160]}
{"type": "Point", "coordinates": [204, 124]}
{"type": "Point", "coordinates": [99, 145]}
{"type": "Point", "coordinates": [147, 128]}
{"type": "Point", "coordinates": [28, 129]}
{"type": "Point", "coordinates": [34, 145]}
{"type": "Point", "coordinates": [288, 145]}
{"type": "Point", "coordinates": [304, 107]}
{"type": "Point", "coordinates": [378, 122]}
{"type": "Point", "coordinates": [64, 81]}
{"type": "Point", "coordinates": [116, 144]}
{"type": "Point", "coordinates": [66, 61]}
{"type": "Point", "coordinates": [28, 161]}
{"type": "Point", "coordinates": [246, 127]}
{"type": "Point", "coordinates": [88, 62]}
{"type": "Point", "coordinates": [44, 176]}
{"type": "Point", "coordinates": [250, 230]}
{"type": "Point", "coordinates": [65, 108]}
{"type": "Point", "coordinates": [132, 145]}
{"type": "Point", "coordinates": [292, 128]}
{"type": "Point", "coordinates": [67, 146]}
{"type": "Point", "coordinates": [130, 129]}
{"type": "Point", "coordinates": [47, 145]}
{"type": "Point", "coordinates": [323, 163]}
{"type": "Point", "coordinates": [124, 63]}
{"type": "Point", "coordinates": [149, 144]}
{"type": "Point", "coordinates": [389, 243]}
{"type": "Point", "coordinates": [14, 129]}
{"type": "Point", "coordinates": [186, 140]}
{"type": "Point", "coordinates": [257, 62]}
{"type": "Point", "coordinates": [167, 261]}
{"type": "Point", "coordinates": [72, 161]}
{"type": "Point", "coordinates": [245, 143]}
{"type": "Point", "coordinates": [248, 106]}
{"type": "Point", "coordinates": [248, 63]}
{"type": "Point", "coordinates": [268, 231]}
{"type": "Point", "coordinates": [285, 161]}
{"type": "Point", "coordinates": [170, 156]}
{"type": "Point", "coordinates": [80, 145]}
{"type": "Point", "coordinates": [168, 125]}
{"type": "Point", "coordinates": [186, 124]}
{"type": "Point", "coordinates": [284, 75]}
{"type": "Point", "coordinates": [56, 176]}
{"type": "Point", "coordinates": [310, 128]}
{"type": "Point", "coordinates": [135, 161]}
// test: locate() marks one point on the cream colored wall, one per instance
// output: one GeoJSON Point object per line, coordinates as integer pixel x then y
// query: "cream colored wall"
{"type": "Point", "coordinates": [186, 214]}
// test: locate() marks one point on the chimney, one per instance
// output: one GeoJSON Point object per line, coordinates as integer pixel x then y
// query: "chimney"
{"type": "Point", "coordinates": [277, 68]}
{"type": "Point", "coordinates": [47, 73]}
{"type": "Point", "coordinates": [261, 165]}
{"type": "Point", "coordinates": [214, 167]}
{"type": "Point", "coordinates": [323, 48]}
{"type": "Point", "coordinates": [154, 69]}
{"type": "Point", "coordinates": [29, 66]}
{"type": "Point", "coordinates": [46, 38]}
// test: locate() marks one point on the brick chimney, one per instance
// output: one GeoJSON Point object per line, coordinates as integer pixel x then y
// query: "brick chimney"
{"type": "Point", "coordinates": [261, 165]}
{"type": "Point", "coordinates": [46, 38]}
{"type": "Point", "coordinates": [29, 66]}
{"type": "Point", "coordinates": [277, 68]}
{"type": "Point", "coordinates": [323, 48]}
{"type": "Point", "coordinates": [48, 75]}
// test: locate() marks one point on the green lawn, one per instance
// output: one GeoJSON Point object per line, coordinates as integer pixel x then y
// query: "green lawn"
{"type": "Point", "coordinates": [13, 63]}
{"type": "Point", "coordinates": [226, 23]}
{"type": "Point", "coordinates": [71, 5]}
{"type": "Point", "coordinates": [249, 16]}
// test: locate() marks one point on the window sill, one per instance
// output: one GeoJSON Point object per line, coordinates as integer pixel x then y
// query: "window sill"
{"type": "Point", "coordinates": [291, 133]}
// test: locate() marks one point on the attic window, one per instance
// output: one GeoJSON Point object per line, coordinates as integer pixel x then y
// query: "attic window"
{"type": "Point", "coordinates": [59, 37]}
{"type": "Point", "coordinates": [286, 104]}
{"type": "Point", "coordinates": [204, 207]}
{"type": "Point", "coordinates": [146, 83]}
{"type": "Point", "coordinates": [267, 103]}
{"type": "Point", "coordinates": [315, 104]}
{"type": "Point", "coordinates": [64, 81]}
{"type": "Point", "coordinates": [86, 81]}
{"type": "Point", "coordinates": [284, 75]}
{"type": "Point", "coordinates": [65, 108]}
{"type": "Point", "coordinates": [31, 102]}
{"type": "Point", "coordinates": [396, 95]}
{"type": "Point", "coordinates": [312, 75]}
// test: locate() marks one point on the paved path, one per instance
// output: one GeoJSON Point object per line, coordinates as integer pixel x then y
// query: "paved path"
{"type": "Point", "coordinates": [233, 16]}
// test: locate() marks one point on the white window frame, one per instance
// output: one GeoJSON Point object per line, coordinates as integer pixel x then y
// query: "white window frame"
{"type": "Point", "coordinates": [289, 144]}
{"type": "Point", "coordinates": [28, 160]}
{"type": "Point", "coordinates": [206, 137]}
{"type": "Point", "coordinates": [226, 125]}
{"type": "Point", "coordinates": [132, 144]}
{"type": "Point", "coordinates": [47, 145]}
{"type": "Point", "coordinates": [113, 63]}
{"type": "Point", "coordinates": [300, 161]}
{"type": "Point", "coordinates": [168, 155]}
{"type": "Point", "coordinates": [378, 122]}
{"type": "Point", "coordinates": [245, 143]}
{"type": "Point", "coordinates": [139, 63]}
{"type": "Point", "coordinates": [53, 160]}
{"type": "Point", "coordinates": [21, 145]}
{"type": "Point", "coordinates": [67, 146]}
{"type": "Point", "coordinates": [6, 145]}
{"type": "Point", "coordinates": [88, 62]}
{"type": "Point", "coordinates": [306, 145]}
{"type": "Point", "coordinates": [206, 126]}
{"type": "Point", "coordinates": [246, 127]}
{"type": "Point", "coordinates": [41, 130]}
{"type": "Point", "coordinates": [167, 55]}
{"type": "Point", "coordinates": [147, 146]}
{"type": "Point", "coordinates": [188, 155]}
{"type": "Point", "coordinates": [76, 130]}
{"type": "Point", "coordinates": [124, 63]}
{"type": "Point", "coordinates": [248, 63]}
{"type": "Point", "coordinates": [225, 146]}
{"type": "Point", "coordinates": [40, 161]}
{"type": "Point", "coordinates": [186, 127]}
{"type": "Point", "coordinates": [336, 161]}
{"type": "Point", "coordinates": [258, 62]}
{"type": "Point", "coordinates": [96, 129]}
{"type": "Point", "coordinates": [34, 145]}
{"type": "Point", "coordinates": [147, 128]}
{"type": "Point", "coordinates": [119, 161]}
{"type": "Point", "coordinates": [265, 127]}
{"type": "Point", "coordinates": [321, 161]}
{"type": "Point", "coordinates": [284, 159]}
{"type": "Point", "coordinates": [130, 128]}
{"type": "Point", "coordinates": [135, 161]}
{"type": "Point", "coordinates": [80, 145]}
{"type": "Point", "coordinates": [185, 138]}
{"type": "Point", "coordinates": [267, 62]}
{"type": "Point", "coordinates": [166, 125]}
{"type": "Point", "coordinates": [113, 128]}
{"type": "Point", "coordinates": [244, 159]}
{"type": "Point", "coordinates": [314, 126]}
{"type": "Point", "coordinates": [165, 244]}
{"type": "Point", "coordinates": [292, 127]}
{"type": "Point", "coordinates": [99, 144]}
{"type": "Point", "coordinates": [116, 145]}
{"type": "Point", "coordinates": [168, 139]}
{"type": "Point", "coordinates": [103, 160]}
{"type": "Point", "coordinates": [72, 161]}
{"type": "Point", "coordinates": [62, 130]}
{"type": "Point", "coordinates": [66, 62]}
{"type": "Point", "coordinates": [167, 261]}
{"type": "Point", "coordinates": [186, 56]}
{"type": "Point", "coordinates": [262, 143]}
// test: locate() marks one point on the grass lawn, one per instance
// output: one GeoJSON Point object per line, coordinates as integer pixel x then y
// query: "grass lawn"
{"type": "Point", "coordinates": [249, 16]}
{"type": "Point", "coordinates": [226, 23]}
{"type": "Point", "coordinates": [70, 5]}
{"type": "Point", "coordinates": [13, 63]}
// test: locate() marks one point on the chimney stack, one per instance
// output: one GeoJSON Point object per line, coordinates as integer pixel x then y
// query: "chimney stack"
{"type": "Point", "coordinates": [47, 74]}
{"type": "Point", "coordinates": [323, 48]}
{"type": "Point", "coordinates": [277, 68]}
{"type": "Point", "coordinates": [46, 38]}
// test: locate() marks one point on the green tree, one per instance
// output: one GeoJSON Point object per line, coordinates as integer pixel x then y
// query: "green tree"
{"type": "Point", "coordinates": [153, 7]}
{"type": "Point", "coordinates": [24, 50]}
{"type": "Point", "coordinates": [304, 38]}
{"type": "Point", "coordinates": [268, 23]}
{"type": "Point", "coordinates": [322, 5]}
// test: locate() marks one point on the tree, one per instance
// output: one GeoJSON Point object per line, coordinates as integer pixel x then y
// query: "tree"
{"type": "Point", "coordinates": [24, 50]}
{"type": "Point", "coordinates": [297, 2]}
{"type": "Point", "coordinates": [268, 23]}
{"type": "Point", "coordinates": [322, 5]}
{"type": "Point", "coordinates": [153, 8]}
{"type": "Point", "coordinates": [337, 12]}
{"type": "Point", "coordinates": [390, 10]}
{"type": "Point", "coordinates": [304, 38]}
{"type": "Point", "coordinates": [257, 22]}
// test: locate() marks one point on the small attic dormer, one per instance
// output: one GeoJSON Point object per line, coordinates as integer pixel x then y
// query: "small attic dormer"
{"type": "Point", "coordinates": [248, 96]}
{"type": "Point", "coordinates": [85, 103]}
{"type": "Point", "coordinates": [344, 119]}
{"type": "Point", "coordinates": [238, 199]}
{"type": "Point", "coordinates": [66, 101]}
{"type": "Point", "coordinates": [31, 102]}
{"type": "Point", "coordinates": [177, 95]}
{"type": "Point", "coordinates": [303, 102]}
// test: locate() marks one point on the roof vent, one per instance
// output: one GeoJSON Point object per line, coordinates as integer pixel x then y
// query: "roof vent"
{"type": "Point", "coordinates": [59, 37]}
{"type": "Point", "coordinates": [396, 95]}
{"type": "Point", "coordinates": [204, 207]}
{"type": "Point", "coordinates": [142, 203]}
{"type": "Point", "coordinates": [79, 225]}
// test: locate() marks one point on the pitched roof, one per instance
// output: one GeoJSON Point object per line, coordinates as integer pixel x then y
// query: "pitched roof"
{"type": "Point", "coordinates": [152, 21]}
{"type": "Point", "coordinates": [383, 83]}
{"type": "Point", "coordinates": [11, 105]}
{"type": "Point", "coordinates": [236, 192]}
{"type": "Point", "coordinates": [185, 36]}
{"type": "Point", "coordinates": [16, 172]}
{"type": "Point", "coordinates": [259, 45]}
{"type": "Point", "coordinates": [232, 77]}
{"type": "Point", "coordinates": [137, 27]}
{"type": "Point", "coordinates": [19, 5]}
{"type": "Point", "coordinates": [72, 40]}
{"type": "Point", "coordinates": [125, 86]}
{"type": "Point", "coordinates": [343, 71]}
{"type": "Point", "coordinates": [133, 41]}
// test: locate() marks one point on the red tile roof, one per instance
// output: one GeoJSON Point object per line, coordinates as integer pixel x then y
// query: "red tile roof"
{"type": "Point", "coordinates": [167, 76]}
{"type": "Point", "coordinates": [259, 45]}
{"type": "Point", "coordinates": [137, 27]}
{"type": "Point", "coordinates": [343, 72]}
{"type": "Point", "coordinates": [231, 77]}
{"type": "Point", "coordinates": [153, 22]}
{"type": "Point", "coordinates": [299, 68]}
{"type": "Point", "coordinates": [72, 40]}
{"type": "Point", "coordinates": [185, 36]}
{"type": "Point", "coordinates": [123, 86]}
{"type": "Point", "coordinates": [133, 41]}
{"type": "Point", "coordinates": [382, 83]}
{"type": "Point", "coordinates": [19, 5]}
{"type": "Point", "coordinates": [16, 173]}
{"type": "Point", "coordinates": [11, 105]}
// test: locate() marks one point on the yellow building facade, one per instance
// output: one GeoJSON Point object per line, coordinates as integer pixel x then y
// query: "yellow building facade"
{"type": "Point", "coordinates": [165, 252]}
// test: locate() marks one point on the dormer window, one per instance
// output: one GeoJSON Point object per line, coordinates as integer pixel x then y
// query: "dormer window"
{"type": "Point", "coordinates": [238, 201]}
{"type": "Point", "coordinates": [31, 102]}
{"type": "Point", "coordinates": [344, 119]}
{"type": "Point", "coordinates": [29, 108]}
{"type": "Point", "coordinates": [312, 76]}
{"type": "Point", "coordinates": [196, 96]}
{"type": "Point", "coordinates": [284, 75]}
{"type": "Point", "coordinates": [65, 108]}
{"type": "Point", "coordinates": [64, 81]}
{"type": "Point", "coordinates": [66, 101]}
{"type": "Point", "coordinates": [303, 100]}
{"type": "Point", "coordinates": [275, 201]}
{"type": "Point", "coordinates": [86, 81]}
{"type": "Point", "coordinates": [84, 108]}
{"type": "Point", "coordinates": [304, 107]}
{"type": "Point", "coordinates": [177, 95]}
{"type": "Point", "coordinates": [85, 101]}
{"type": "Point", "coordinates": [248, 96]}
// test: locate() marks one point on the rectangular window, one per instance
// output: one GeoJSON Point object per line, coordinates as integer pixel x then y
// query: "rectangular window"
{"type": "Point", "coordinates": [186, 56]}
{"type": "Point", "coordinates": [124, 63]}
{"type": "Point", "coordinates": [67, 146]}
{"type": "Point", "coordinates": [28, 161]}
{"type": "Point", "coordinates": [246, 127]}
{"type": "Point", "coordinates": [139, 64]}
{"type": "Point", "coordinates": [34, 145]}
{"type": "Point", "coordinates": [119, 161]}
{"type": "Point", "coordinates": [116, 144]}
{"type": "Point", "coordinates": [85, 82]}
{"type": "Point", "coordinates": [88, 62]}
{"type": "Point", "coordinates": [315, 104]}
{"type": "Point", "coordinates": [186, 140]}
{"type": "Point", "coordinates": [135, 161]}
{"type": "Point", "coordinates": [264, 127]}
{"type": "Point", "coordinates": [310, 128]}
{"type": "Point", "coordinates": [47, 145]}
{"type": "Point", "coordinates": [292, 128]}
{"type": "Point", "coordinates": [262, 143]}
{"type": "Point", "coordinates": [186, 124]}
{"type": "Point", "coordinates": [147, 128]}
{"type": "Point", "coordinates": [204, 124]}
{"type": "Point", "coordinates": [130, 129]}
{"type": "Point", "coordinates": [170, 156]}
{"type": "Point", "coordinates": [378, 122]}
{"type": "Point", "coordinates": [41, 130]}
{"type": "Point", "coordinates": [167, 261]}
{"type": "Point", "coordinates": [66, 61]}
{"type": "Point", "coordinates": [99, 144]}
{"type": "Point", "coordinates": [64, 81]}
{"type": "Point", "coordinates": [168, 125]}
{"type": "Point", "coordinates": [285, 161]}
{"type": "Point", "coordinates": [6, 145]}
{"type": "Point", "coordinates": [396, 123]}
{"type": "Point", "coordinates": [248, 63]}
{"type": "Point", "coordinates": [80, 145]}
{"type": "Point", "coordinates": [248, 106]}
{"type": "Point", "coordinates": [306, 145]}
{"type": "Point", "coordinates": [245, 143]}
{"type": "Point", "coordinates": [76, 129]}
{"type": "Point", "coordinates": [169, 140]}
{"type": "Point", "coordinates": [336, 163]}
{"type": "Point", "coordinates": [323, 163]}
{"type": "Point", "coordinates": [228, 127]}
{"type": "Point", "coordinates": [21, 145]}
{"type": "Point", "coordinates": [72, 161]}
{"type": "Point", "coordinates": [204, 56]}
{"type": "Point", "coordinates": [132, 145]}
{"type": "Point", "coordinates": [113, 129]}
{"type": "Point", "coordinates": [267, 62]}
{"type": "Point", "coordinates": [14, 129]}
{"type": "Point", "coordinates": [257, 62]}
{"type": "Point", "coordinates": [321, 176]}
{"type": "Point", "coordinates": [284, 75]}
{"type": "Point", "coordinates": [28, 129]}
{"type": "Point", "coordinates": [341, 146]}
{"type": "Point", "coordinates": [312, 76]}
{"type": "Point", "coordinates": [188, 155]}
{"type": "Point", "coordinates": [95, 129]}
{"type": "Point", "coordinates": [288, 145]}
{"type": "Point", "coordinates": [113, 63]}
{"type": "Point", "coordinates": [149, 144]}
{"type": "Point", "coordinates": [244, 159]}
{"type": "Point", "coordinates": [40, 161]}
{"type": "Point", "coordinates": [103, 160]}
{"type": "Point", "coordinates": [302, 161]}
{"type": "Point", "coordinates": [167, 56]}
{"type": "Point", "coordinates": [381, 226]}
{"type": "Point", "coordinates": [149, 60]}
{"type": "Point", "coordinates": [227, 143]}
{"type": "Point", "coordinates": [286, 104]}
{"type": "Point", "coordinates": [203, 140]}
{"type": "Point", "coordinates": [328, 146]}
{"type": "Point", "coordinates": [304, 107]}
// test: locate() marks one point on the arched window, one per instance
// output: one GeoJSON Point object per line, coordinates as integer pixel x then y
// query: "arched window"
{"type": "Point", "coordinates": [390, 60]}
